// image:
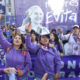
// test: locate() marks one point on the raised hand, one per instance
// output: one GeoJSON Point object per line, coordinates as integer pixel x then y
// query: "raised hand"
{"type": "Point", "coordinates": [61, 54]}
{"type": "Point", "coordinates": [28, 27]}
{"type": "Point", "coordinates": [59, 30]}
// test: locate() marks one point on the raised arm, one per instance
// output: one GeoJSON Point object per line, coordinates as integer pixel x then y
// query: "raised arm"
{"type": "Point", "coordinates": [3, 41]}
{"type": "Point", "coordinates": [31, 47]}
{"type": "Point", "coordinates": [61, 36]}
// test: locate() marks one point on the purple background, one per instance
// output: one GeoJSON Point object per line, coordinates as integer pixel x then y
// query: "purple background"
{"type": "Point", "coordinates": [22, 5]}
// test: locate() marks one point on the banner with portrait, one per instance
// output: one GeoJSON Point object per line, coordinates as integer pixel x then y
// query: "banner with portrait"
{"type": "Point", "coordinates": [57, 13]}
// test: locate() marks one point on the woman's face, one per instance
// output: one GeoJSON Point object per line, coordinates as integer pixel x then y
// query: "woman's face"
{"type": "Point", "coordinates": [52, 37]}
{"type": "Point", "coordinates": [37, 16]}
{"type": "Point", "coordinates": [17, 40]}
{"type": "Point", "coordinates": [44, 40]}
{"type": "Point", "coordinates": [33, 37]}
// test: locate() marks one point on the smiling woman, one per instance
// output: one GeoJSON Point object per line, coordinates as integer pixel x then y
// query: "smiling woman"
{"type": "Point", "coordinates": [16, 55]}
{"type": "Point", "coordinates": [47, 59]}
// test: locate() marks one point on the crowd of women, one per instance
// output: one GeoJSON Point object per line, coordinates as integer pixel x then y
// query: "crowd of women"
{"type": "Point", "coordinates": [47, 48]}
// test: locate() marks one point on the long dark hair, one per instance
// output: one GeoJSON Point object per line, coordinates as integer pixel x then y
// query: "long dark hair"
{"type": "Point", "coordinates": [22, 46]}
{"type": "Point", "coordinates": [56, 40]}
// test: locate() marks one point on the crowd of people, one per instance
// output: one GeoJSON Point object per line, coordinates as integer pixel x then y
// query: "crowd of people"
{"type": "Point", "coordinates": [47, 48]}
{"type": "Point", "coordinates": [66, 44]}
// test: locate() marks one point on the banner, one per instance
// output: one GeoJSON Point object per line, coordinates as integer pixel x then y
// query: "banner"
{"type": "Point", "coordinates": [63, 11]}
{"type": "Point", "coordinates": [70, 68]}
{"type": "Point", "coordinates": [2, 6]}
{"type": "Point", "coordinates": [21, 8]}
{"type": "Point", "coordinates": [57, 13]}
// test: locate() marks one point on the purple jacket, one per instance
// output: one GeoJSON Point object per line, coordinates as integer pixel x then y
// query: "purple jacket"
{"type": "Point", "coordinates": [15, 58]}
{"type": "Point", "coordinates": [48, 62]}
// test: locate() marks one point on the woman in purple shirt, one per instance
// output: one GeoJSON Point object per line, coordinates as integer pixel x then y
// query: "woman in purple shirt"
{"type": "Point", "coordinates": [47, 59]}
{"type": "Point", "coordinates": [55, 41]}
{"type": "Point", "coordinates": [16, 55]}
